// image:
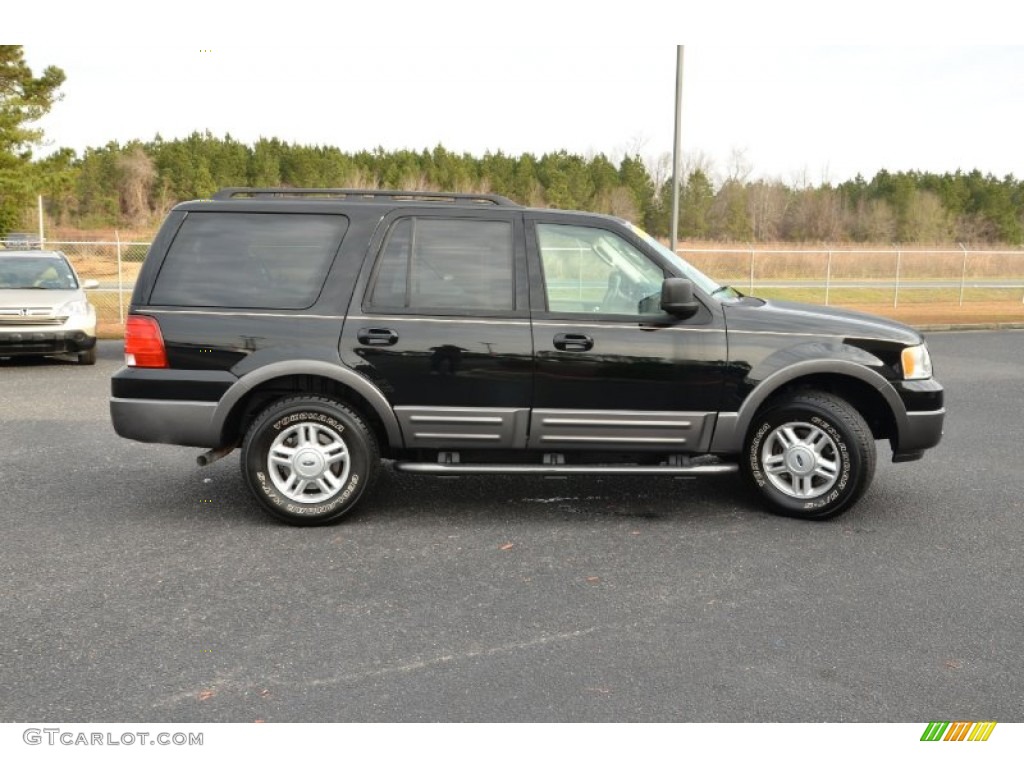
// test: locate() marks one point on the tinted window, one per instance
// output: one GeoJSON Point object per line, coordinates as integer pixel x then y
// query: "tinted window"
{"type": "Point", "coordinates": [429, 263]}
{"type": "Point", "coordinates": [249, 260]}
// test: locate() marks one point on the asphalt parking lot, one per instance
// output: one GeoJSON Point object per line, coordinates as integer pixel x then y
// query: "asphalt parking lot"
{"type": "Point", "coordinates": [137, 586]}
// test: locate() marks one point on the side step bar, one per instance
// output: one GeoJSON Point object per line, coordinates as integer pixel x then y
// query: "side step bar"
{"type": "Point", "coordinates": [430, 468]}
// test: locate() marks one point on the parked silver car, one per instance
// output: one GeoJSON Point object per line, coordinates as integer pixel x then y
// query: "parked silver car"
{"type": "Point", "coordinates": [43, 307]}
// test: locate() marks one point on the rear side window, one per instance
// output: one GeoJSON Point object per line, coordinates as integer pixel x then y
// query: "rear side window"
{"type": "Point", "coordinates": [445, 264]}
{"type": "Point", "coordinates": [249, 260]}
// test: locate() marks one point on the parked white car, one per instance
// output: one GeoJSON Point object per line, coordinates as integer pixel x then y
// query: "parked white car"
{"type": "Point", "coordinates": [43, 307]}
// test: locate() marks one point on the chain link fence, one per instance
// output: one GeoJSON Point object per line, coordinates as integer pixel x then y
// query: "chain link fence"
{"type": "Point", "coordinates": [114, 265]}
{"type": "Point", "coordinates": [894, 276]}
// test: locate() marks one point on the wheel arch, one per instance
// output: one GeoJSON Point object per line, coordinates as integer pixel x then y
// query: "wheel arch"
{"type": "Point", "coordinates": [252, 393]}
{"type": "Point", "coordinates": [867, 391]}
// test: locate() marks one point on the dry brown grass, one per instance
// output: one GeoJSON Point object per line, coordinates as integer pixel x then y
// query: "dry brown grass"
{"type": "Point", "coordinates": [948, 314]}
{"type": "Point", "coordinates": [787, 261]}
{"type": "Point", "coordinates": [731, 262]}
{"type": "Point", "coordinates": [104, 267]}
{"type": "Point", "coordinates": [107, 235]}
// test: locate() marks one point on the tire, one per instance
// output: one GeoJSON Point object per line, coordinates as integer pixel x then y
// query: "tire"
{"type": "Point", "coordinates": [810, 456]}
{"type": "Point", "coordinates": [309, 460]}
{"type": "Point", "coordinates": [88, 357]}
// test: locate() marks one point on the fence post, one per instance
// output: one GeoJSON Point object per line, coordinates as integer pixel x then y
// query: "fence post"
{"type": "Point", "coordinates": [120, 280]}
{"type": "Point", "coordinates": [828, 277]}
{"type": "Point", "coordinates": [963, 274]}
{"type": "Point", "coordinates": [896, 295]}
{"type": "Point", "coordinates": [751, 288]}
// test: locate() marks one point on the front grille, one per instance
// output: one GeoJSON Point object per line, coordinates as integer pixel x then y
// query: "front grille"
{"type": "Point", "coordinates": [30, 316]}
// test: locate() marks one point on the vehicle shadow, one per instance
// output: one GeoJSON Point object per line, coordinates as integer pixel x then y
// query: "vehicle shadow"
{"type": "Point", "coordinates": [399, 496]}
{"type": "Point", "coordinates": [36, 361]}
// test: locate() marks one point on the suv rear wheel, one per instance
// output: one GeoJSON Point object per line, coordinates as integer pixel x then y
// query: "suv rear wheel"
{"type": "Point", "coordinates": [810, 455]}
{"type": "Point", "coordinates": [309, 460]}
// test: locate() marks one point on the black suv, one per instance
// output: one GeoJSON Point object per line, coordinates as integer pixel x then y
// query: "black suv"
{"type": "Point", "coordinates": [322, 330]}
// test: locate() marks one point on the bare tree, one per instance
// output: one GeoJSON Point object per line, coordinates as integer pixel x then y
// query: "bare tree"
{"type": "Point", "coordinates": [633, 147]}
{"type": "Point", "coordinates": [928, 221]}
{"type": "Point", "coordinates": [872, 221]}
{"type": "Point", "coordinates": [660, 169]}
{"type": "Point", "coordinates": [739, 167]}
{"type": "Point", "coordinates": [136, 174]}
{"type": "Point", "coordinates": [816, 214]}
{"type": "Point", "coordinates": [698, 160]}
{"type": "Point", "coordinates": [767, 205]}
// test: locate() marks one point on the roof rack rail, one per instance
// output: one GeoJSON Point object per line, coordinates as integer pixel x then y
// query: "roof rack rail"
{"type": "Point", "coordinates": [230, 193]}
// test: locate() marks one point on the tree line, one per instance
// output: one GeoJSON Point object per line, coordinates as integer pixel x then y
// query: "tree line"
{"type": "Point", "coordinates": [136, 183]}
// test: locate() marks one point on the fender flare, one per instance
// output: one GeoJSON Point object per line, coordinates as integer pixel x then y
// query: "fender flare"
{"type": "Point", "coordinates": [338, 373]}
{"type": "Point", "coordinates": [731, 428]}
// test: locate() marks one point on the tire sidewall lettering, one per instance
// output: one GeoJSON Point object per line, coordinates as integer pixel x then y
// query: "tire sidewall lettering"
{"type": "Point", "coordinates": [755, 454]}
{"type": "Point", "coordinates": [844, 452]}
{"type": "Point", "coordinates": [295, 418]}
{"type": "Point", "coordinates": [846, 458]}
{"type": "Point", "coordinates": [346, 497]}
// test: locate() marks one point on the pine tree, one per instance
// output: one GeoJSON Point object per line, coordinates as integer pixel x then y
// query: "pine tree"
{"type": "Point", "coordinates": [24, 99]}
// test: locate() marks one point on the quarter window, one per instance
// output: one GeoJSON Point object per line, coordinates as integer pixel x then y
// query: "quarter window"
{"type": "Point", "coordinates": [445, 264]}
{"type": "Point", "coordinates": [249, 260]}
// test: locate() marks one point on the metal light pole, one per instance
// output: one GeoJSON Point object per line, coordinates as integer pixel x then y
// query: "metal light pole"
{"type": "Point", "coordinates": [675, 149]}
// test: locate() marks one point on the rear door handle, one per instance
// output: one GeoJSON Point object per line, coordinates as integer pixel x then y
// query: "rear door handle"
{"type": "Point", "coordinates": [377, 337]}
{"type": "Point", "coordinates": [573, 342]}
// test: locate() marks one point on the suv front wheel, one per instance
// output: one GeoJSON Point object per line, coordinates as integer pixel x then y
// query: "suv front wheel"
{"type": "Point", "coordinates": [309, 460]}
{"type": "Point", "coordinates": [810, 455]}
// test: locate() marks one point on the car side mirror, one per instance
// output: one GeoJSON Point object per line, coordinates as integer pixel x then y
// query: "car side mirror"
{"type": "Point", "coordinates": [677, 297]}
{"type": "Point", "coordinates": [87, 284]}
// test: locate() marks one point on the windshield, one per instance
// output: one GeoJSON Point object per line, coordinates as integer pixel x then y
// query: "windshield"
{"type": "Point", "coordinates": [44, 272]}
{"type": "Point", "coordinates": [698, 278]}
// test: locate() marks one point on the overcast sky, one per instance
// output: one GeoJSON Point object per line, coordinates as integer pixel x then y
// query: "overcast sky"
{"type": "Point", "coordinates": [794, 112]}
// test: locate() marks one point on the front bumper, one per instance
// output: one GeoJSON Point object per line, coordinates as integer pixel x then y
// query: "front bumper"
{"type": "Point", "coordinates": [922, 430]}
{"type": "Point", "coordinates": [919, 426]}
{"type": "Point", "coordinates": [36, 342]}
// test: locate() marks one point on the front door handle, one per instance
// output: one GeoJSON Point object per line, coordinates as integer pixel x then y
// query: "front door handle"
{"type": "Point", "coordinates": [377, 337]}
{"type": "Point", "coordinates": [573, 342]}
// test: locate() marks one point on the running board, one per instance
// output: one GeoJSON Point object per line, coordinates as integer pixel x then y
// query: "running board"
{"type": "Point", "coordinates": [429, 468]}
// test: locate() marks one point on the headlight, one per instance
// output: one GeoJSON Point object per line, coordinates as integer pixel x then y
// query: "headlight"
{"type": "Point", "coordinates": [70, 308]}
{"type": "Point", "coordinates": [917, 363]}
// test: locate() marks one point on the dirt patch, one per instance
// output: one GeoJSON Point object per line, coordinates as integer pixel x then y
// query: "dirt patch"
{"type": "Point", "coordinates": [941, 314]}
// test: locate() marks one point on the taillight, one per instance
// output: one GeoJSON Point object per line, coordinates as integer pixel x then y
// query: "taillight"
{"type": "Point", "coordinates": [143, 343]}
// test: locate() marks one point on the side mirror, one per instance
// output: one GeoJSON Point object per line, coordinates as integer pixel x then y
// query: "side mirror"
{"type": "Point", "coordinates": [677, 297]}
{"type": "Point", "coordinates": [88, 284]}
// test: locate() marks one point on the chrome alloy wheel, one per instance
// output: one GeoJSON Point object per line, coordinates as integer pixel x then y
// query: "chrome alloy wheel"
{"type": "Point", "coordinates": [308, 463]}
{"type": "Point", "coordinates": [800, 459]}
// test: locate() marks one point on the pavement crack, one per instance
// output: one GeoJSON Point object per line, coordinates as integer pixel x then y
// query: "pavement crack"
{"type": "Point", "coordinates": [415, 666]}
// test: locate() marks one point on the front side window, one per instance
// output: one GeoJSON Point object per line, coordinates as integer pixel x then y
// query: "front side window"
{"type": "Point", "coordinates": [587, 269]}
{"type": "Point", "coordinates": [249, 260]}
{"type": "Point", "coordinates": [445, 264]}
